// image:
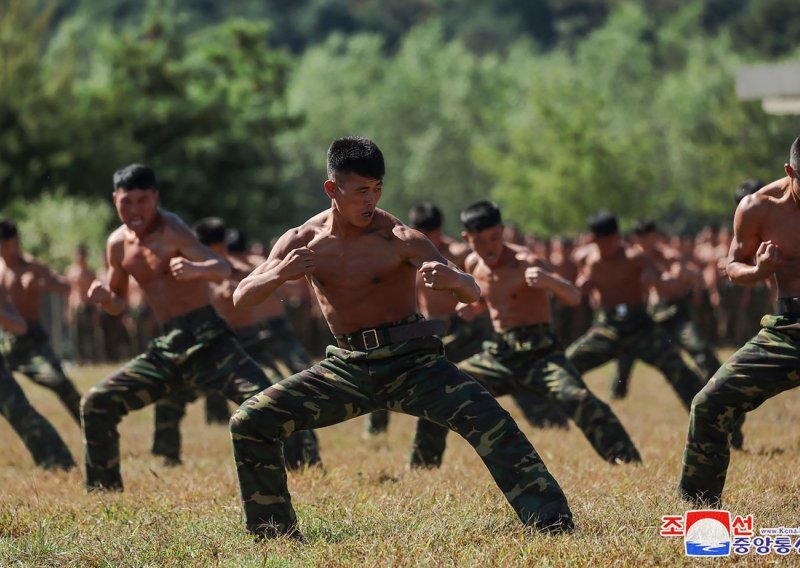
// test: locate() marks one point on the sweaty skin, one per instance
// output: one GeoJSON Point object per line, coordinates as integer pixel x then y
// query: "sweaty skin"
{"type": "Point", "coordinates": [166, 260]}
{"type": "Point", "coordinates": [766, 240]}
{"type": "Point", "coordinates": [24, 279]}
{"type": "Point", "coordinates": [515, 282]}
{"type": "Point", "coordinates": [361, 261]}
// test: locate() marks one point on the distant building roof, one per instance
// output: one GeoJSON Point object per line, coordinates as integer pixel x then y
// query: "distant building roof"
{"type": "Point", "coordinates": [776, 85]}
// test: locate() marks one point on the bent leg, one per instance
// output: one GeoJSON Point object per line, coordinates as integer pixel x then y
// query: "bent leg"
{"type": "Point", "coordinates": [443, 394]}
{"type": "Point", "coordinates": [656, 348]}
{"type": "Point", "coordinates": [326, 394]}
{"type": "Point", "coordinates": [141, 382]}
{"type": "Point", "coordinates": [622, 376]}
{"type": "Point", "coordinates": [168, 414]}
{"type": "Point", "coordinates": [593, 348]}
{"type": "Point", "coordinates": [762, 368]}
{"type": "Point", "coordinates": [43, 367]}
{"type": "Point", "coordinates": [43, 442]}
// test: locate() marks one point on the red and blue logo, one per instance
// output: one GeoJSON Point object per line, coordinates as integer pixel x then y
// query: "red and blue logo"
{"type": "Point", "coordinates": [708, 533]}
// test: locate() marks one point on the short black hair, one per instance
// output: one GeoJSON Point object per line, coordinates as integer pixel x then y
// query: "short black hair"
{"type": "Point", "coordinates": [210, 230]}
{"type": "Point", "coordinates": [425, 216]}
{"type": "Point", "coordinates": [8, 229]}
{"type": "Point", "coordinates": [135, 176]}
{"type": "Point", "coordinates": [747, 187]}
{"type": "Point", "coordinates": [236, 241]}
{"type": "Point", "coordinates": [794, 155]}
{"type": "Point", "coordinates": [358, 155]}
{"type": "Point", "coordinates": [603, 223]}
{"type": "Point", "coordinates": [481, 216]}
{"type": "Point", "coordinates": [644, 227]}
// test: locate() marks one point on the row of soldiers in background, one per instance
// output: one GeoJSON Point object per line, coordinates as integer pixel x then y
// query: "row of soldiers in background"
{"type": "Point", "coordinates": [724, 315]}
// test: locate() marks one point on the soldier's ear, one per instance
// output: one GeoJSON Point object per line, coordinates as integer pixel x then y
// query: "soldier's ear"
{"type": "Point", "coordinates": [330, 188]}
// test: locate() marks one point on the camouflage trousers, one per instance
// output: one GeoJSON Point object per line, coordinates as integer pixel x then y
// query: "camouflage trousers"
{"type": "Point", "coordinates": [32, 355]}
{"type": "Point", "coordinates": [675, 319]}
{"type": "Point", "coordinates": [83, 329]}
{"type": "Point", "coordinates": [631, 331]}
{"type": "Point", "coordinates": [530, 359]}
{"type": "Point", "coordinates": [300, 449]}
{"type": "Point", "coordinates": [463, 339]}
{"type": "Point", "coordinates": [764, 367]}
{"type": "Point", "coordinates": [38, 435]}
{"type": "Point", "coordinates": [196, 351]}
{"type": "Point", "coordinates": [412, 377]}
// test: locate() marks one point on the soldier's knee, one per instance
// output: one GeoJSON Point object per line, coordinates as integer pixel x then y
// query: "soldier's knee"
{"type": "Point", "coordinates": [96, 401]}
{"type": "Point", "coordinates": [262, 425]}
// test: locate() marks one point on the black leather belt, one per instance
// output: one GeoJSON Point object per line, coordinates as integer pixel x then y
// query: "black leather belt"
{"type": "Point", "coordinates": [367, 339]}
{"type": "Point", "coordinates": [789, 306]}
{"type": "Point", "coordinates": [191, 320]}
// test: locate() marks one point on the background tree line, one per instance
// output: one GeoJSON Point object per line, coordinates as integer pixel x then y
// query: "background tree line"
{"type": "Point", "coordinates": [554, 108]}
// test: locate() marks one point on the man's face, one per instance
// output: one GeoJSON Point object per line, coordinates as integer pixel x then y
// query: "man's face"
{"type": "Point", "coordinates": [487, 244]}
{"type": "Point", "coordinates": [607, 244]}
{"type": "Point", "coordinates": [355, 197]}
{"type": "Point", "coordinates": [9, 248]}
{"type": "Point", "coordinates": [647, 241]}
{"type": "Point", "coordinates": [137, 208]}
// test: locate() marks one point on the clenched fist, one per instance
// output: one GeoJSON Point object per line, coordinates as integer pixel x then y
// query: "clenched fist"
{"type": "Point", "coordinates": [181, 268]}
{"type": "Point", "coordinates": [297, 263]}
{"type": "Point", "coordinates": [438, 276]}
{"type": "Point", "coordinates": [98, 293]}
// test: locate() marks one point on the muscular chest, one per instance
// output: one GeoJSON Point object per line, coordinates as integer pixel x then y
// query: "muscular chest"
{"type": "Point", "coordinates": [615, 274]}
{"type": "Point", "coordinates": [146, 262]}
{"type": "Point", "coordinates": [785, 235]}
{"type": "Point", "coordinates": [350, 265]}
{"type": "Point", "coordinates": [501, 284]}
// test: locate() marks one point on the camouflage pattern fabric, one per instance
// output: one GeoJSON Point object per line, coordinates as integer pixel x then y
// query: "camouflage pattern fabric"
{"type": "Point", "coordinates": [301, 449]}
{"type": "Point", "coordinates": [43, 442]}
{"type": "Point", "coordinates": [412, 377]}
{"type": "Point", "coordinates": [676, 320]}
{"type": "Point", "coordinates": [463, 339]}
{"type": "Point", "coordinates": [530, 359]}
{"type": "Point", "coordinates": [32, 355]}
{"type": "Point", "coordinates": [196, 351]}
{"type": "Point", "coordinates": [83, 329]}
{"type": "Point", "coordinates": [764, 367]}
{"type": "Point", "coordinates": [631, 330]}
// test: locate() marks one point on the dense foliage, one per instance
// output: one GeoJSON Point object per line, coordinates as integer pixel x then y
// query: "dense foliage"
{"type": "Point", "coordinates": [554, 108]}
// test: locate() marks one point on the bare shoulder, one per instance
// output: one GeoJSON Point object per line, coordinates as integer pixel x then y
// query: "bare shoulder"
{"type": "Point", "coordinates": [175, 227]}
{"type": "Point", "coordinates": [471, 262]}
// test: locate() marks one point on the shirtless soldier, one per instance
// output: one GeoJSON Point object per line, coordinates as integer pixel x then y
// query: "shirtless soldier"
{"type": "Point", "coordinates": [25, 280]}
{"type": "Point", "coordinates": [301, 448]}
{"type": "Point", "coordinates": [525, 355]}
{"type": "Point", "coordinates": [621, 275]}
{"type": "Point", "coordinates": [362, 263]}
{"type": "Point", "coordinates": [43, 442]}
{"type": "Point", "coordinates": [196, 349]}
{"type": "Point", "coordinates": [81, 314]}
{"type": "Point", "coordinates": [765, 243]}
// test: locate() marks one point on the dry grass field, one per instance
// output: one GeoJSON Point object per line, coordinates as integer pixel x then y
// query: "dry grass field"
{"type": "Point", "coordinates": [368, 509]}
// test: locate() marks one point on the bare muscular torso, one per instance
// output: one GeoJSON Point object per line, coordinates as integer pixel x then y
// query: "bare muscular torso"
{"type": "Point", "coordinates": [21, 282]}
{"type": "Point", "coordinates": [147, 261]}
{"type": "Point", "coordinates": [771, 215]}
{"type": "Point", "coordinates": [617, 279]}
{"type": "Point", "coordinates": [80, 278]}
{"type": "Point", "coordinates": [511, 302]}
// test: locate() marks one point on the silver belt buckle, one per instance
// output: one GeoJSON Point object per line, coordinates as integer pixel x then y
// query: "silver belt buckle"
{"type": "Point", "coordinates": [370, 334]}
{"type": "Point", "coordinates": [621, 310]}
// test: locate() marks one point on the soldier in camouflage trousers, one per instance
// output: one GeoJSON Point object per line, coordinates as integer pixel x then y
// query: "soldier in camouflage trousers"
{"type": "Point", "coordinates": [764, 245]}
{"type": "Point", "coordinates": [32, 355]}
{"type": "Point", "coordinates": [363, 264]}
{"type": "Point", "coordinates": [43, 442]}
{"type": "Point", "coordinates": [630, 330]}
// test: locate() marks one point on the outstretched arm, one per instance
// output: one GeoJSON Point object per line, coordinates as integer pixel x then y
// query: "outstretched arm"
{"type": "Point", "coordinates": [196, 261]}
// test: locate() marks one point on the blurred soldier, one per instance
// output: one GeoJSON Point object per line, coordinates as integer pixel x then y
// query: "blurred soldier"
{"type": "Point", "coordinates": [621, 275]}
{"type": "Point", "coordinates": [43, 442]}
{"type": "Point", "coordinates": [82, 315]}
{"type": "Point", "coordinates": [25, 280]}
